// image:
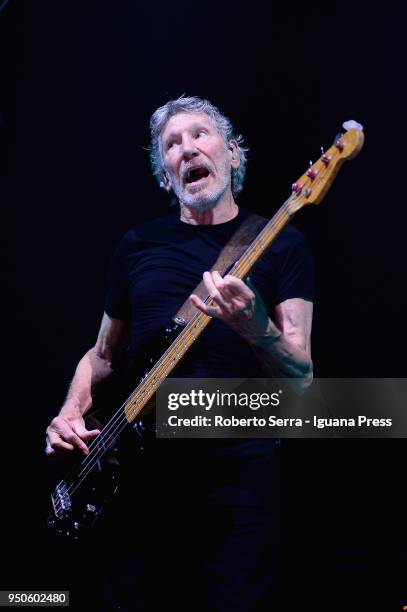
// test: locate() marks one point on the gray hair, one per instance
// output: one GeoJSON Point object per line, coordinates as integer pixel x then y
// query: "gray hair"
{"type": "Point", "coordinates": [194, 104]}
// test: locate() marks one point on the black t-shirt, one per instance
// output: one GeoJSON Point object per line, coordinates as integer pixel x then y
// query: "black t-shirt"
{"type": "Point", "coordinates": [159, 263]}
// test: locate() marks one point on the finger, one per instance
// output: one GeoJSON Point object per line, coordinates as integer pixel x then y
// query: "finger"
{"type": "Point", "coordinates": [49, 451]}
{"type": "Point", "coordinates": [226, 294]}
{"type": "Point", "coordinates": [211, 311]}
{"type": "Point", "coordinates": [78, 443]}
{"type": "Point", "coordinates": [58, 446]}
{"type": "Point", "coordinates": [214, 284]}
{"type": "Point", "coordinates": [223, 303]}
{"type": "Point", "coordinates": [209, 284]}
{"type": "Point", "coordinates": [82, 432]}
{"type": "Point", "coordinates": [90, 434]}
{"type": "Point", "coordinates": [55, 444]}
{"type": "Point", "coordinates": [238, 287]}
{"type": "Point", "coordinates": [197, 302]}
{"type": "Point", "coordinates": [67, 434]}
{"type": "Point", "coordinates": [217, 280]}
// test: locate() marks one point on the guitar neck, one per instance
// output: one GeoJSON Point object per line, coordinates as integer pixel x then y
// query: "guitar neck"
{"type": "Point", "coordinates": [149, 385]}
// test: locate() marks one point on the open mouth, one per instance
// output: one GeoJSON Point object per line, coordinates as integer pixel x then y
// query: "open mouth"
{"type": "Point", "coordinates": [196, 174]}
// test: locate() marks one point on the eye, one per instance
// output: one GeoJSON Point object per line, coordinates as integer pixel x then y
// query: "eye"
{"type": "Point", "coordinates": [170, 144]}
{"type": "Point", "coordinates": [200, 133]}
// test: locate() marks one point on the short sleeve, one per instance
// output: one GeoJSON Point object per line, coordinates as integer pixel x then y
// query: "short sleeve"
{"type": "Point", "coordinates": [117, 303]}
{"type": "Point", "coordinates": [296, 276]}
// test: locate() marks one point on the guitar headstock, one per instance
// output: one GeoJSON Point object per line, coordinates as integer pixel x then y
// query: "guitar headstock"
{"type": "Point", "coordinates": [312, 186]}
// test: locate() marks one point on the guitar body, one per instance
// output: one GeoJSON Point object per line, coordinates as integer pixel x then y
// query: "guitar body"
{"type": "Point", "coordinates": [78, 501]}
{"type": "Point", "coordinates": [73, 513]}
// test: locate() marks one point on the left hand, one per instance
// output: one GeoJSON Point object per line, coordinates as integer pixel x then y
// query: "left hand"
{"type": "Point", "coordinates": [235, 303]}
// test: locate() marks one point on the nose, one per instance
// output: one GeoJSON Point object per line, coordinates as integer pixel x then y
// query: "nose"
{"type": "Point", "coordinates": [189, 149]}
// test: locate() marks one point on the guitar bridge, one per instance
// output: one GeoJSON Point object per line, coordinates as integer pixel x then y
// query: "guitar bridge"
{"type": "Point", "coordinates": [61, 500]}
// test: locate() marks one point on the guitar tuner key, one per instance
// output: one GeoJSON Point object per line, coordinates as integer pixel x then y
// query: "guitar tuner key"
{"type": "Point", "coordinates": [307, 192]}
{"type": "Point", "coordinates": [326, 158]}
{"type": "Point", "coordinates": [312, 173]}
{"type": "Point", "coordinates": [340, 145]}
{"type": "Point", "coordinates": [296, 187]}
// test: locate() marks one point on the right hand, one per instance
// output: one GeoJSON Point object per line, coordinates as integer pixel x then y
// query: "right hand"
{"type": "Point", "coordinates": [66, 433]}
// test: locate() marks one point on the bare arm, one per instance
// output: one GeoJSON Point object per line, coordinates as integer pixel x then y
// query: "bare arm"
{"type": "Point", "coordinates": [67, 430]}
{"type": "Point", "coordinates": [284, 347]}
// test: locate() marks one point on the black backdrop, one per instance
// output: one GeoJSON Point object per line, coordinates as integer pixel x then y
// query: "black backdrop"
{"type": "Point", "coordinates": [78, 84]}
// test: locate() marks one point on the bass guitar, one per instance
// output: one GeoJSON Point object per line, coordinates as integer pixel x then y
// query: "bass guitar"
{"type": "Point", "coordinates": [78, 500]}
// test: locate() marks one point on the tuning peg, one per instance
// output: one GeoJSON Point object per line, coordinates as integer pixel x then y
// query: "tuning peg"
{"type": "Point", "coordinates": [312, 173]}
{"type": "Point", "coordinates": [339, 143]}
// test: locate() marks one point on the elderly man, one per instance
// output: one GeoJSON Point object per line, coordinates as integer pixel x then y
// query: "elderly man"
{"type": "Point", "coordinates": [261, 328]}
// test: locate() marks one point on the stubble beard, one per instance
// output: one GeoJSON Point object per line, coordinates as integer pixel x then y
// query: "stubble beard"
{"type": "Point", "coordinates": [192, 200]}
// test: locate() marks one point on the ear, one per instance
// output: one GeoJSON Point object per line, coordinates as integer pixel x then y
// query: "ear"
{"type": "Point", "coordinates": [165, 182]}
{"type": "Point", "coordinates": [235, 153]}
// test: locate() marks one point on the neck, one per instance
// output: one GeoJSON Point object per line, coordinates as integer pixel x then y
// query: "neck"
{"type": "Point", "coordinates": [224, 210]}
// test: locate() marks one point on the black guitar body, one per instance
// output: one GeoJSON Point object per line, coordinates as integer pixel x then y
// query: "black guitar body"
{"type": "Point", "coordinates": [78, 500]}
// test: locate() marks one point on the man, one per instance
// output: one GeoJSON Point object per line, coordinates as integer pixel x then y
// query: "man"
{"type": "Point", "coordinates": [199, 161]}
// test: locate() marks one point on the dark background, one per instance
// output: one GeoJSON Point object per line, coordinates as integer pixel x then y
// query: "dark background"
{"type": "Point", "coordinates": [78, 83]}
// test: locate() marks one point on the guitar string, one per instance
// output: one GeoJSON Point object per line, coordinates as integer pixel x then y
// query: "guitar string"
{"type": "Point", "coordinates": [119, 421]}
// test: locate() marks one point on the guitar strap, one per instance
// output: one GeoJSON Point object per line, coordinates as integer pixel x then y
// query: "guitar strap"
{"type": "Point", "coordinates": [239, 242]}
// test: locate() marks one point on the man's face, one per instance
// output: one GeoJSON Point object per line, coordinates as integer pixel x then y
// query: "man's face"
{"type": "Point", "coordinates": [197, 160]}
